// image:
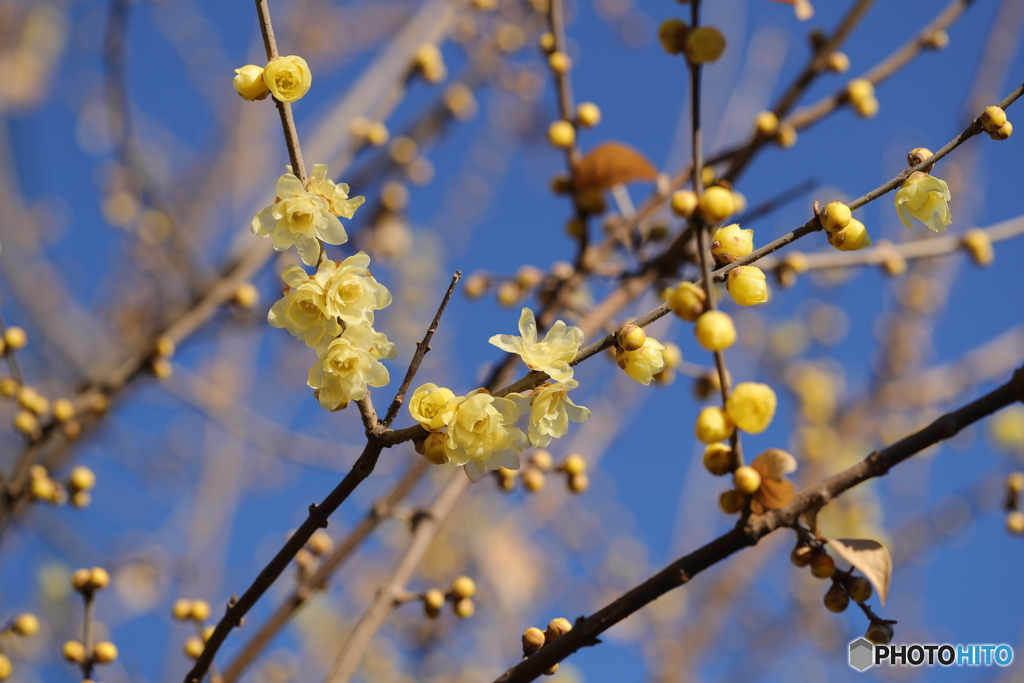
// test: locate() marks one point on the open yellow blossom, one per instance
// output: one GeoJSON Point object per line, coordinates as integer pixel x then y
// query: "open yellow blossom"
{"type": "Point", "coordinates": [551, 354]}
{"type": "Point", "coordinates": [644, 363]}
{"type": "Point", "coordinates": [551, 410]}
{"type": "Point", "coordinates": [482, 434]}
{"type": "Point", "coordinates": [925, 198]}
{"type": "Point", "coordinates": [303, 310]}
{"type": "Point", "coordinates": [383, 348]}
{"type": "Point", "coordinates": [288, 78]}
{"type": "Point", "coordinates": [350, 291]}
{"type": "Point", "coordinates": [346, 367]}
{"type": "Point", "coordinates": [427, 404]}
{"type": "Point", "coordinates": [336, 194]}
{"type": "Point", "coordinates": [298, 219]}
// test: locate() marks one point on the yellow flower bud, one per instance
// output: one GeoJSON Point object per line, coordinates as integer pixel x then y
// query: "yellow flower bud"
{"type": "Point", "coordinates": [15, 338]}
{"type": "Point", "coordinates": [164, 346]}
{"type": "Point", "coordinates": [98, 579]}
{"type": "Point", "coordinates": [718, 459]}
{"type": "Point", "coordinates": [860, 589]}
{"type": "Point", "coordinates": [707, 176]}
{"type": "Point", "coordinates": [547, 42]}
{"type": "Point", "coordinates": [746, 479]}
{"type": "Point", "coordinates": [74, 652]}
{"type": "Point", "coordinates": [713, 424]}
{"type": "Point", "coordinates": [574, 464]}
{"type": "Point", "coordinates": [919, 154]}
{"type": "Point", "coordinates": [26, 423]}
{"type": "Point", "coordinates": [63, 410]}
{"type": "Point", "coordinates": [673, 356]}
{"type": "Point", "coordinates": [557, 628]}
{"type": "Point", "coordinates": [181, 609]}
{"type": "Point", "coordinates": [979, 245]}
{"type": "Point", "coordinates": [1015, 482]}
{"type": "Point", "coordinates": [533, 479]}
{"type": "Point", "coordinates": [5, 667]}
{"type": "Point", "coordinates": [835, 216]}
{"type": "Point", "coordinates": [730, 502]}
{"type": "Point", "coordinates": [631, 338]}
{"type": "Point", "coordinates": [194, 647]}
{"type": "Point", "coordinates": [851, 238]}
{"type": "Point", "coordinates": [463, 587]}
{"type": "Point", "coordinates": [684, 203]}
{"type": "Point", "coordinates": [747, 286]}
{"type": "Point", "coordinates": [377, 133]}
{"type": "Point", "coordinates": [992, 119]}
{"type": "Point", "coordinates": [82, 478]}
{"type": "Point", "coordinates": [464, 608]}
{"type": "Point", "coordinates": [860, 89]}
{"type": "Point", "coordinates": [246, 295]}
{"type": "Point", "coordinates": [838, 62]}
{"type": "Point", "coordinates": [104, 652]}
{"type": "Point", "coordinates": [533, 640]}
{"type": "Point", "coordinates": [1015, 522]}
{"type": "Point", "coordinates": [559, 62]}
{"type": "Point", "coordinates": [561, 134]}
{"type": "Point", "coordinates": [715, 331]}
{"type": "Point", "coordinates": [200, 610]}
{"type": "Point", "coordinates": [866, 108]}
{"type": "Point", "coordinates": [731, 242]}
{"type": "Point", "coordinates": [25, 624]}
{"type": "Point", "coordinates": [1004, 132]}
{"type": "Point", "coordinates": [249, 83]}
{"type": "Point", "coordinates": [433, 601]}
{"type": "Point", "coordinates": [578, 483]}
{"type": "Point", "coordinates": [588, 114]}
{"type": "Point", "coordinates": [430, 62]}
{"type": "Point", "coordinates": [672, 35]}
{"type": "Point", "coordinates": [320, 543]}
{"type": "Point", "coordinates": [823, 566]}
{"type": "Point", "coordinates": [704, 44]}
{"type": "Point", "coordinates": [716, 204]}
{"type": "Point", "coordinates": [766, 124]}
{"type": "Point", "coordinates": [937, 40]}
{"type": "Point", "coordinates": [162, 368]}
{"type": "Point", "coordinates": [288, 78]}
{"type": "Point", "coordinates": [836, 599]}
{"type": "Point", "coordinates": [9, 387]}
{"type": "Point", "coordinates": [751, 406]}
{"type": "Point", "coordinates": [81, 499]}
{"type": "Point", "coordinates": [786, 137]}
{"type": "Point", "coordinates": [461, 101]}
{"type": "Point", "coordinates": [433, 449]}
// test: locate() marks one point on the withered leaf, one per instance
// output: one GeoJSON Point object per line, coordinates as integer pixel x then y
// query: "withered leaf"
{"type": "Point", "coordinates": [611, 163]}
{"type": "Point", "coordinates": [774, 463]}
{"type": "Point", "coordinates": [772, 495]}
{"type": "Point", "coordinates": [870, 557]}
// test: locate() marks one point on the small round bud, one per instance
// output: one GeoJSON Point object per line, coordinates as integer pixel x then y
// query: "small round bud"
{"type": "Point", "coordinates": [200, 610]}
{"type": "Point", "coordinates": [718, 459]}
{"type": "Point", "coordinates": [574, 464]}
{"type": "Point", "coordinates": [464, 608]}
{"type": "Point", "coordinates": [377, 133]}
{"type": "Point", "coordinates": [631, 338]}
{"type": "Point", "coordinates": [27, 423]}
{"type": "Point", "coordinates": [747, 286]}
{"type": "Point", "coordinates": [688, 301]}
{"type": "Point", "coordinates": [164, 346]}
{"type": "Point", "coordinates": [578, 483]}
{"type": "Point", "coordinates": [588, 114]}
{"type": "Point", "coordinates": [304, 560]}
{"type": "Point", "coordinates": [751, 406]}
{"type": "Point", "coordinates": [993, 118]}
{"type": "Point", "coordinates": [707, 176]}
{"type": "Point", "coordinates": [82, 479]}
{"type": "Point", "coordinates": [731, 501]}
{"type": "Point", "coordinates": [433, 448]}
{"type": "Point", "coordinates": [463, 587]}
{"type": "Point", "coordinates": [979, 245]}
{"type": "Point", "coordinates": [746, 479]}
{"type": "Point", "coordinates": [74, 652]}
{"type": "Point", "coordinates": [937, 40]}
{"type": "Point", "coordinates": [704, 44]}
{"type": "Point", "coordinates": [860, 89]}
{"type": "Point", "coordinates": [98, 578]}
{"type": "Point", "coordinates": [547, 42]}
{"type": "Point", "coordinates": [716, 204]}
{"type": "Point", "coordinates": [801, 556]}
{"type": "Point", "coordinates": [25, 624]}
{"type": "Point", "coordinates": [1015, 522]}
{"type": "Point", "coordinates": [879, 634]}
{"type": "Point", "coordinates": [786, 136]}
{"type": "Point", "coordinates": [9, 387]}
{"type": "Point", "coordinates": [80, 580]}
{"type": "Point", "coordinates": [80, 499]}
{"type": "Point", "coordinates": [476, 286]}
{"type": "Point", "coordinates": [246, 295]}
{"type": "Point", "coordinates": [713, 424]}
{"type": "Point", "coordinates": [860, 589]}
{"type": "Point", "coordinates": [507, 478]}
{"type": "Point", "coordinates": [208, 633]}
{"type": "Point", "coordinates": [42, 489]}
{"type": "Point", "coordinates": [836, 599]}
{"type": "Point", "coordinates": [5, 667]}
{"type": "Point", "coordinates": [320, 543]}
{"type": "Point", "coordinates": [835, 216]}
{"type": "Point", "coordinates": [15, 338]}
{"type": "Point", "coordinates": [853, 237]}
{"type": "Point", "coordinates": [533, 640]}
{"type": "Point", "coordinates": [533, 479]}
{"type": "Point", "coordinates": [542, 460]}
{"type": "Point", "coordinates": [104, 652]}
{"type": "Point", "coordinates": [715, 331]}
{"type": "Point", "coordinates": [684, 203]}
{"type": "Point", "coordinates": [194, 647]}
{"type": "Point", "coordinates": [919, 154]}
{"type": "Point", "coordinates": [766, 124]}
{"type": "Point", "coordinates": [672, 35]}
{"type": "Point", "coordinates": [561, 134]}
{"type": "Point", "coordinates": [1015, 482]}
{"type": "Point", "coordinates": [249, 83]}
{"type": "Point", "coordinates": [559, 62]}
{"type": "Point", "coordinates": [822, 566]}
{"type": "Point", "coordinates": [557, 628]}
{"type": "Point", "coordinates": [161, 367]}
{"type": "Point", "coordinates": [672, 356]}
{"type": "Point", "coordinates": [731, 242]}
{"type": "Point", "coordinates": [1004, 132]}
{"type": "Point", "coordinates": [433, 601]}
{"type": "Point", "coordinates": [838, 62]}
{"type": "Point", "coordinates": [181, 609]}
{"type": "Point", "coordinates": [430, 62]}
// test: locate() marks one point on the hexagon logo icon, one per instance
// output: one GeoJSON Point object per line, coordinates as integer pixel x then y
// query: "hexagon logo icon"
{"type": "Point", "coordinates": [862, 654]}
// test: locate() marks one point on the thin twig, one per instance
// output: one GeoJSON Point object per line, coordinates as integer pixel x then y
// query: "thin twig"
{"type": "Point", "coordinates": [291, 135]}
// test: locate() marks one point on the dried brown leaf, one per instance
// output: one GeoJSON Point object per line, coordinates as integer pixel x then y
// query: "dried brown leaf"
{"type": "Point", "coordinates": [610, 164]}
{"type": "Point", "coordinates": [774, 463]}
{"type": "Point", "coordinates": [870, 557]}
{"type": "Point", "coordinates": [773, 494]}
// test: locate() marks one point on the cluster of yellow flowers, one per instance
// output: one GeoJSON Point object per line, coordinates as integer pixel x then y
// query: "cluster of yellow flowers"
{"type": "Point", "coordinates": [286, 78]}
{"type": "Point", "coordinates": [478, 430]}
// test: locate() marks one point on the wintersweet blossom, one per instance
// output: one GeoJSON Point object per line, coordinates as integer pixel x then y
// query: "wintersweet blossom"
{"type": "Point", "coordinates": [551, 410]}
{"type": "Point", "coordinates": [482, 434]}
{"type": "Point", "coordinates": [299, 218]}
{"type": "Point", "coordinates": [336, 194]}
{"type": "Point", "coordinates": [346, 367]}
{"type": "Point", "coordinates": [644, 363]}
{"type": "Point", "coordinates": [288, 78]}
{"type": "Point", "coordinates": [303, 310]}
{"type": "Point", "coordinates": [249, 82]}
{"type": "Point", "coordinates": [925, 198]}
{"type": "Point", "coordinates": [383, 348]}
{"type": "Point", "coordinates": [350, 291]}
{"type": "Point", "coordinates": [427, 405]}
{"type": "Point", "coordinates": [551, 354]}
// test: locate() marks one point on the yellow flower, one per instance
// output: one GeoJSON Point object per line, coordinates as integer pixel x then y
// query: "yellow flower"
{"type": "Point", "coordinates": [713, 425]}
{"type": "Point", "coordinates": [346, 367]}
{"type": "Point", "coordinates": [482, 434]}
{"type": "Point", "coordinates": [551, 355]}
{"type": "Point", "coordinates": [249, 82]}
{"type": "Point", "coordinates": [303, 311]}
{"type": "Point", "coordinates": [751, 406]}
{"type": "Point", "coordinates": [382, 347]}
{"type": "Point", "coordinates": [350, 291]}
{"type": "Point", "coordinates": [288, 78]}
{"type": "Point", "coordinates": [299, 218]}
{"type": "Point", "coordinates": [551, 410]}
{"type": "Point", "coordinates": [427, 403]}
{"type": "Point", "coordinates": [335, 194]}
{"type": "Point", "coordinates": [925, 198]}
{"type": "Point", "coordinates": [644, 363]}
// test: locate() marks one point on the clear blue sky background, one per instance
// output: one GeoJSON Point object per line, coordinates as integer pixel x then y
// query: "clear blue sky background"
{"type": "Point", "coordinates": [965, 591]}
